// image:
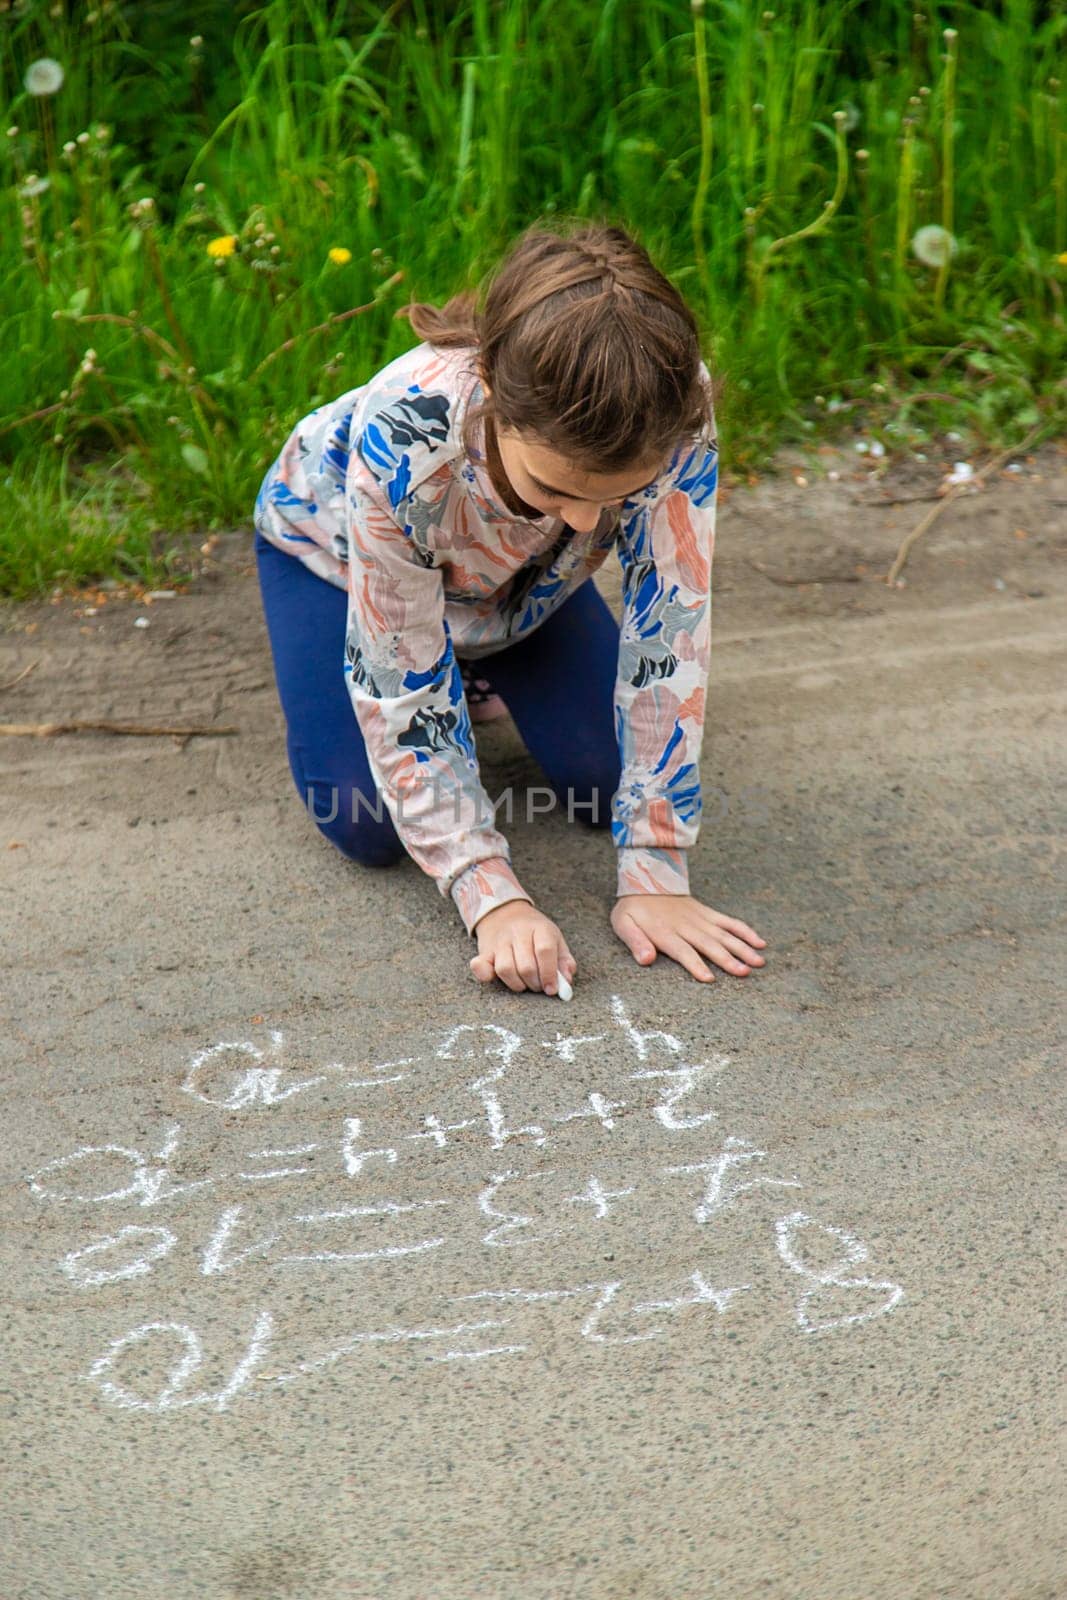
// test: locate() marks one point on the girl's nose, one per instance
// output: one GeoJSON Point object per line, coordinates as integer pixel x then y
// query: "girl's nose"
{"type": "Point", "coordinates": [582, 521]}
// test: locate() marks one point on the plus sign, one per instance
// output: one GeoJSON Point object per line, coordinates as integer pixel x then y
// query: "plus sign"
{"type": "Point", "coordinates": [595, 1194]}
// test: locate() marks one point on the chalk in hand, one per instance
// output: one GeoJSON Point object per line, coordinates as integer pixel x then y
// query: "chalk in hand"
{"type": "Point", "coordinates": [563, 988]}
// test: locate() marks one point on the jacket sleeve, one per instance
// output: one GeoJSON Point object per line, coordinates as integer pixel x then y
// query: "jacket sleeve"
{"type": "Point", "coordinates": [665, 548]}
{"type": "Point", "coordinates": [407, 693]}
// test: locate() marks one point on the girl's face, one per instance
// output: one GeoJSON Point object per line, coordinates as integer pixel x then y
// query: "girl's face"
{"type": "Point", "coordinates": [545, 481]}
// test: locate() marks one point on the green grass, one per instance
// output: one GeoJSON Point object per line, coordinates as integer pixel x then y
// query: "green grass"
{"type": "Point", "coordinates": [777, 167]}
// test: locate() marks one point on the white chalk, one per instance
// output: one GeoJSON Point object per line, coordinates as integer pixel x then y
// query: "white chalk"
{"type": "Point", "coordinates": [563, 989]}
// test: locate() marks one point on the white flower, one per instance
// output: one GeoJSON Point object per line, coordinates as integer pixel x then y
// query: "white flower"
{"type": "Point", "coordinates": [933, 245]}
{"type": "Point", "coordinates": [44, 76]}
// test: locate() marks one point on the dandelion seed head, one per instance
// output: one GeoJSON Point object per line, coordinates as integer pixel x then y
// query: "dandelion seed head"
{"type": "Point", "coordinates": [12, 132]}
{"type": "Point", "coordinates": [43, 77]}
{"type": "Point", "coordinates": [934, 245]}
{"type": "Point", "coordinates": [83, 138]}
{"type": "Point", "coordinates": [34, 186]}
{"type": "Point", "coordinates": [852, 116]}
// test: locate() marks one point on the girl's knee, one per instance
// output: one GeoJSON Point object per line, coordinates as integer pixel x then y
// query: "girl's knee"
{"type": "Point", "coordinates": [362, 830]}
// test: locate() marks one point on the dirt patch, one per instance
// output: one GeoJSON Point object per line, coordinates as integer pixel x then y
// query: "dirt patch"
{"type": "Point", "coordinates": [815, 540]}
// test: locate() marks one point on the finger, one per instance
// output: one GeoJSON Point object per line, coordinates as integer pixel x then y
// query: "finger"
{"type": "Point", "coordinates": [730, 930]}
{"type": "Point", "coordinates": [728, 952]}
{"type": "Point", "coordinates": [482, 967]}
{"type": "Point", "coordinates": [567, 964]}
{"type": "Point", "coordinates": [546, 953]}
{"type": "Point", "coordinates": [526, 961]}
{"type": "Point", "coordinates": [507, 969]}
{"type": "Point", "coordinates": [743, 951]}
{"type": "Point", "coordinates": [636, 940]}
{"type": "Point", "coordinates": [680, 950]}
{"type": "Point", "coordinates": [736, 926]}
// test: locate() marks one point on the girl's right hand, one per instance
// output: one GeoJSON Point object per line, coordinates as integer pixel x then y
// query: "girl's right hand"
{"type": "Point", "coordinates": [522, 947]}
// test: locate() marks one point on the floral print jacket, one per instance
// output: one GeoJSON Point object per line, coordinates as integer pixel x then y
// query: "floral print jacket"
{"type": "Point", "coordinates": [375, 493]}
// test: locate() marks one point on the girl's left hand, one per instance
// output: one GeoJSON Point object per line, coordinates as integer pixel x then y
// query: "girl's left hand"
{"type": "Point", "coordinates": [686, 930]}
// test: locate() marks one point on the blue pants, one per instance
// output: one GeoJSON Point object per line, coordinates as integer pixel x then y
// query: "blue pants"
{"type": "Point", "coordinates": [558, 683]}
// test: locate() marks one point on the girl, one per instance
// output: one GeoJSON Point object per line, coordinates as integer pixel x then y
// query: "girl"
{"type": "Point", "coordinates": [456, 506]}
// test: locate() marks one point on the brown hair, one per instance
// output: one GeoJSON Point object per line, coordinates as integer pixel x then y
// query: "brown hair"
{"type": "Point", "coordinates": [582, 342]}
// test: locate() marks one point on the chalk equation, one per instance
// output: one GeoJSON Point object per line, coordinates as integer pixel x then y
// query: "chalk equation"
{"type": "Point", "coordinates": [509, 1209]}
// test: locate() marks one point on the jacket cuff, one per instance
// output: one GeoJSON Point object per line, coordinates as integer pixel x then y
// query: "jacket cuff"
{"type": "Point", "coordinates": [652, 871]}
{"type": "Point", "coordinates": [483, 886]}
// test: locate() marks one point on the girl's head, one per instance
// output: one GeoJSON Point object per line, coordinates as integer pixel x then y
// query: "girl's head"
{"type": "Point", "coordinates": [590, 363]}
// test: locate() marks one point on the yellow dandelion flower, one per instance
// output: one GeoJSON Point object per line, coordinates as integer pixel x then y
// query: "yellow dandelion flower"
{"type": "Point", "coordinates": [224, 245]}
{"type": "Point", "coordinates": [1062, 258]}
{"type": "Point", "coordinates": [340, 256]}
